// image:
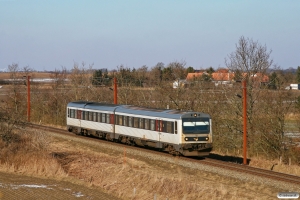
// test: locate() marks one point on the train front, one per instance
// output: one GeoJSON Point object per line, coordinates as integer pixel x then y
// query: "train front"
{"type": "Point", "coordinates": [196, 134]}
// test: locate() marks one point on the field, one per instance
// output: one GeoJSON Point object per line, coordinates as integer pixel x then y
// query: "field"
{"type": "Point", "coordinates": [6, 75]}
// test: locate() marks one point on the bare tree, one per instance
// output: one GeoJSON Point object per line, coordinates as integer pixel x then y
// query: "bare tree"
{"type": "Point", "coordinates": [14, 94]}
{"type": "Point", "coordinates": [266, 109]}
{"type": "Point", "coordinates": [249, 57]}
{"type": "Point", "coordinates": [156, 73]}
{"type": "Point", "coordinates": [27, 71]}
{"type": "Point", "coordinates": [80, 79]}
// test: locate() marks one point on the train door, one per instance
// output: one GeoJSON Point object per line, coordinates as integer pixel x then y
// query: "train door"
{"type": "Point", "coordinates": [112, 122]}
{"type": "Point", "coordinates": [79, 117]}
{"type": "Point", "coordinates": [158, 127]}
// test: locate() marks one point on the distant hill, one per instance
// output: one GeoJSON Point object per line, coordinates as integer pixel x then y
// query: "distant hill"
{"type": "Point", "coordinates": [288, 70]}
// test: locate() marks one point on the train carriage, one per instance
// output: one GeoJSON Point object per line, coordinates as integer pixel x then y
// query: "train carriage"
{"type": "Point", "coordinates": [89, 118]}
{"type": "Point", "coordinates": [148, 127]}
{"type": "Point", "coordinates": [178, 132]}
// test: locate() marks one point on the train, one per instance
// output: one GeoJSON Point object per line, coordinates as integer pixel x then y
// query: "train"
{"type": "Point", "coordinates": [178, 132]}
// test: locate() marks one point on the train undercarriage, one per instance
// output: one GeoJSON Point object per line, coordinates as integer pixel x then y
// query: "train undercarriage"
{"type": "Point", "coordinates": [186, 149]}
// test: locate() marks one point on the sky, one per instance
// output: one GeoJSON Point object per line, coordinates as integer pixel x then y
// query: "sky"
{"type": "Point", "coordinates": [49, 35]}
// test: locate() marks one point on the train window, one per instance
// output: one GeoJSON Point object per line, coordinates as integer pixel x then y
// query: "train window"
{"type": "Point", "coordinates": [164, 126]}
{"type": "Point", "coordinates": [117, 119]}
{"type": "Point", "coordinates": [169, 127]}
{"type": "Point", "coordinates": [125, 120]}
{"type": "Point", "coordinates": [72, 113]}
{"type": "Point", "coordinates": [108, 118]}
{"type": "Point", "coordinates": [95, 117]}
{"type": "Point", "coordinates": [141, 122]}
{"type": "Point", "coordinates": [120, 119]}
{"type": "Point", "coordinates": [103, 117]}
{"type": "Point", "coordinates": [175, 128]}
{"type": "Point", "coordinates": [91, 116]}
{"type": "Point", "coordinates": [99, 117]}
{"type": "Point", "coordinates": [152, 124]}
{"type": "Point", "coordinates": [172, 127]}
{"type": "Point", "coordinates": [147, 124]}
{"type": "Point", "coordinates": [195, 125]}
{"type": "Point", "coordinates": [86, 115]}
{"type": "Point", "coordinates": [82, 115]}
{"type": "Point", "coordinates": [75, 114]}
{"type": "Point", "coordinates": [136, 122]}
{"type": "Point", "coordinates": [130, 121]}
{"type": "Point", "coordinates": [68, 112]}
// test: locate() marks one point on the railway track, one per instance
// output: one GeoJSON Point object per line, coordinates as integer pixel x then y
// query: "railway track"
{"type": "Point", "coordinates": [253, 171]}
{"type": "Point", "coordinates": [276, 176]}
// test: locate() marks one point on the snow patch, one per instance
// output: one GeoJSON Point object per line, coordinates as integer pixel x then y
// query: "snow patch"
{"type": "Point", "coordinates": [29, 186]}
{"type": "Point", "coordinates": [78, 194]}
{"type": "Point", "coordinates": [15, 187]}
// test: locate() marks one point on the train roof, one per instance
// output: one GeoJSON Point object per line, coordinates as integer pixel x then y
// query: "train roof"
{"type": "Point", "coordinates": [161, 113]}
{"type": "Point", "coordinates": [93, 105]}
{"type": "Point", "coordinates": [136, 110]}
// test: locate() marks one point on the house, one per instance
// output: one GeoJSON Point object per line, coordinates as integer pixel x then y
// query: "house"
{"type": "Point", "coordinates": [192, 76]}
{"type": "Point", "coordinates": [259, 77]}
{"type": "Point", "coordinates": [221, 76]}
{"type": "Point", "coordinates": [179, 83]}
{"type": "Point", "coordinates": [224, 76]}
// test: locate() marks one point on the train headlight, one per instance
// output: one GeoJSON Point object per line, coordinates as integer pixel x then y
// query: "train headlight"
{"type": "Point", "coordinates": [206, 139]}
{"type": "Point", "coordinates": [186, 139]}
{"type": "Point", "coordinates": [195, 115]}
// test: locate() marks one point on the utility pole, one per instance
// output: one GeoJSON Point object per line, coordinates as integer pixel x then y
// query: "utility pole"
{"type": "Point", "coordinates": [28, 98]}
{"type": "Point", "coordinates": [245, 121]}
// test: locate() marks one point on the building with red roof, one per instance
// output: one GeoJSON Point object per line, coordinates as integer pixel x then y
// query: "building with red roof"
{"type": "Point", "coordinates": [224, 76]}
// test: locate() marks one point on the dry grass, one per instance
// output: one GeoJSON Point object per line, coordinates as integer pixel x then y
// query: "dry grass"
{"type": "Point", "coordinates": [31, 164]}
{"type": "Point", "coordinates": [126, 177]}
{"type": "Point", "coordinates": [138, 180]}
{"type": "Point", "coordinates": [129, 178]}
{"type": "Point", "coordinates": [28, 154]}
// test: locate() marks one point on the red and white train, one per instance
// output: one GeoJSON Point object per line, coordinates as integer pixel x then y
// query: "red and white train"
{"type": "Point", "coordinates": [178, 132]}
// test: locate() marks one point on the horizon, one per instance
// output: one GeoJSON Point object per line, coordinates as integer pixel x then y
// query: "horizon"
{"type": "Point", "coordinates": [269, 70]}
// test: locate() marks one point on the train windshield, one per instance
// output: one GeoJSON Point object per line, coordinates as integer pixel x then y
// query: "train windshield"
{"type": "Point", "coordinates": [195, 125]}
